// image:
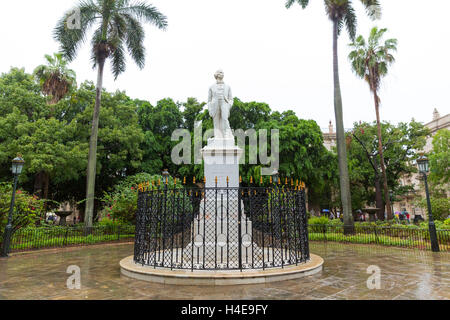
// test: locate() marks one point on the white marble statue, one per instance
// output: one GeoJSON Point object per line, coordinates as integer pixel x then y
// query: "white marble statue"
{"type": "Point", "coordinates": [220, 101]}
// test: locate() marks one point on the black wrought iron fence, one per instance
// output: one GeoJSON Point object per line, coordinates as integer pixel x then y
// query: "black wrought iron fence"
{"type": "Point", "coordinates": [54, 237]}
{"type": "Point", "coordinates": [264, 234]}
{"type": "Point", "coordinates": [412, 238]}
{"type": "Point", "coordinates": [221, 228]}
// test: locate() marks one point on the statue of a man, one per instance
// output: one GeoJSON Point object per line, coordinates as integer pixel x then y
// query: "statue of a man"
{"type": "Point", "coordinates": [220, 102]}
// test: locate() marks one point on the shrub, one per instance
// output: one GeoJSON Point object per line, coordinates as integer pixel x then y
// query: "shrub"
{"type": "Point", "coordinates": [336, 222]}
{"type": "Point", "coordinates": [440, 207]}
{"type": "Point", "coordinates": [121, 203]}
{"type": "Point", "coordinates": [109, 223]}
{"type": "Point", "coordinates": [318, 221]}
{"type": "Point", "coordinates": [28, 209]}
{"type": "Point", "coordinates": [446, 224]}
{"type": "Point", "coordinates": [318, 224]}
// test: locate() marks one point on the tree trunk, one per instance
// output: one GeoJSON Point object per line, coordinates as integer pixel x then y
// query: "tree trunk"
{"type": "Point", "coordinates": [382, 164]}
{"type": "Point", "coordinates": [38, 184]}
{"type": "Point", "coordinates": [341, 146]}
{"type": "Point", "coordinates": [379, 198]}
{"type": "Point", "coordinates": [46, 184]}
{"type": "Point", "coordinates": [92, 161]}
{"type": "Point", "coordinates": [53, 101]}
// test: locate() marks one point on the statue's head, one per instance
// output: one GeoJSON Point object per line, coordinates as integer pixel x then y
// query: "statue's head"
{"type": "Point", "coordinates": [219, 74]}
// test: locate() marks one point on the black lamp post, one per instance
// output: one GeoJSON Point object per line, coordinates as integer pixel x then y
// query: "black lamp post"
{"type": "Point", "coordinates": [17, 166]}
{"type": "Point", "coordinates": [422, 162]}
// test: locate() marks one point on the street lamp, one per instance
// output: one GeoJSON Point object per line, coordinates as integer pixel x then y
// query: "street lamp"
{"type": "Point", "coordinates": [275, 175]}
{"type": "Point", "coordinates": [423, 164]}
{"type": "Point", "coordinates": [17, 166]}
{"type": "Point", "coordinates": [165, 175]}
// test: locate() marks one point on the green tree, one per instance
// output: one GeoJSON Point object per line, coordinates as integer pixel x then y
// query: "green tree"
{"type": "Point", "coordinates": [341, 12]}
{"type": "Point", "coordinates": [49, 144]}
{"type": "Point", "coordinates": [439, 158]}
{"type": "Point", "coordinates": [400, 151]}
{"type": "Point", "coordinates": [439, 177]}
{"type": "Point", "coordinates": [370, 61]}
{"type": "Point", "coordinates": [118, 27]}
{"type": "Point", "coordinates": [158, 123]}
{"type": "Point", "coordinates": [192, 109]}
{"type": "Point", "coordinates": [55, 78]}
{"type": "Point", "coordinates": [119, 140]}
{"type": "Point", "coordinates": [362, 175]}
{"type": "Point", "coordinates": [59, 144]}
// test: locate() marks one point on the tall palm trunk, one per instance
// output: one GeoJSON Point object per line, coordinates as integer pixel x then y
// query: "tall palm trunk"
{"type": "Point", "coordinates": [379, 197]}
{"type": "Point", "coordinates": [382, 164]}
{"type": "Point", "coordinates": [341, 147]}
{"type": "Point", "coordinates": [92, 161]}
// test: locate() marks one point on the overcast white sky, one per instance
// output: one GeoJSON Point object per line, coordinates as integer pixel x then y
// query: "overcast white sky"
{"type": "Point", "coordinates": [268, 53]}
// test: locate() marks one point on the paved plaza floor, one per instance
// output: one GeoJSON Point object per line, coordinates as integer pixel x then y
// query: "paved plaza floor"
{"type": "Point", "coordinates": [405, 274]}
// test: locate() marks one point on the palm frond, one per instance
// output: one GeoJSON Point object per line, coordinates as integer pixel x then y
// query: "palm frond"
{"type": "Point", "coordinates": [55, 78]}
{"type": "Point", "coordinates": [289, 3]}
{"type": "Point", "coordinates": [145, 12]}
{"type": "Point", "coordinates": [373, 8]}
{"type": "Point", "coordinates": [95, 43]}
{"type": "Point", "coordinates": [118, 63]}
{"type": "Point", "coordinates": [302, 3]}
{"type": "Point", "coordinates": [71, 39]}
{"type": "Point", "coordinates": [135, 40]}
{"type": "Point", "coordinates": [119, 28]}
{"type": "Point", "coordinates": [370, 59]}
{"type": "Point", "coordinates": [351, 22]}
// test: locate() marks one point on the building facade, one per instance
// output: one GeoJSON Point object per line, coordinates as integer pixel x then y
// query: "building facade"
{"type": "Point", "coordinates": [407, 202]}
{"type": "Point", "coordinates": [329, 138]}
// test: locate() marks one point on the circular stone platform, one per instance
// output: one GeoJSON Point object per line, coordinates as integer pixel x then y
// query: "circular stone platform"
{"type": "Point", "coordinates": [219, 277]}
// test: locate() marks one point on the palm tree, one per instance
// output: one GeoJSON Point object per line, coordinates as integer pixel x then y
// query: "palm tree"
{"type": "Point", "coordinates": [341, 12]}
{"type": "Point", "coordinates": [56, 80]}
{"type": "Point", "coordinates": [370, 61]}
{"type": "Point", "coordinates": [118, 26]}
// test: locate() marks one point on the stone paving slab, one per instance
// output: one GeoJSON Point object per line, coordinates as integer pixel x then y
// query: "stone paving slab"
{"type": "Point", "coordinates": [405, 275]}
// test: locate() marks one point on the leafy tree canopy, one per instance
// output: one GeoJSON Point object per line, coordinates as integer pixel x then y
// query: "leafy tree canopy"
{"type": "Point", "coordinates": [439, 158]}
{"type": "Point", "coordinates": [400, 144]}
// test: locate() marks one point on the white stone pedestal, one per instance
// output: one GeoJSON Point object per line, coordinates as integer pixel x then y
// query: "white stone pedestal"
{"type": "Point", "coordinates": [217, 228]}
{"type": "Point", "coordinates": [221, 159]}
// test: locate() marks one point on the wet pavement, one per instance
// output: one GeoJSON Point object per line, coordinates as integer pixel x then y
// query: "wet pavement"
{"type": "Point", "coordinates": [405, 274]}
